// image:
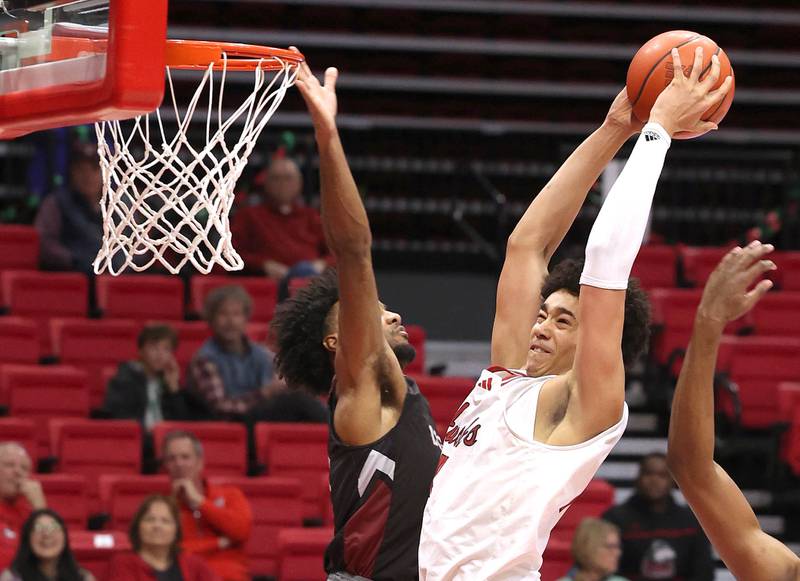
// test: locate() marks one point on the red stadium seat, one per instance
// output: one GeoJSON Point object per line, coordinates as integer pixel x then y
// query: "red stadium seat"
{"type": "Point", "coordinates": [140, 297]}
{"type": "Point", "coordinates": [655, 266]}
{"type": "Point", "coordinates": [19, 340]}
{"type": "Point", "coordinates": [673, 311]}
{"type": "Point", "coordinates": [557, 559]}
{"type": "Point", "coordinates": [263, 291]}
{"type": "Point", "coordinates": [758, 365]}
{"type": "Point", "coordinates": [19, 247]}
{"type": "Point", "coordinates": [66, 494]}
{"type": "Point", "coordinates": [94, 448]}
{"type": "Point", "coordinates": [276, 504]}
{"type": "Point", "coordinates": [44, 295]}
{"type": "Point", "coordinates": [444, 394]}
{"type": "Point", "coordinates": [93, 550]}
{"type": "Point", "coordinates": [301, 554]}
{"type": "Point", "coordinates": [592, 502]}
{"type": "Point", "coordinates": [121, 495]}
{"type": "Point", "coordinates": [699, 262]}
{"type": "Point", "coordinates": [788, 270]}
{"type": "Point", "coordinates": [23, 432]}
{"type": "Point", "coordinates": [224, 444]}
{"type": "Point", "coordinates": [416, 336]}
{"type": "Point", "coordinates": [778, 313]}
{"type": "Point", "coordinates": [296, 451]}
{"type": "Point", "coordinates": [43, 392]}
{"type": "Point", "coordinates": [93, 345]}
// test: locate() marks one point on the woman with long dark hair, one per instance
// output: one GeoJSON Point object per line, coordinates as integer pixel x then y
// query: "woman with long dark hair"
{"type": "Point", "coordinates": [155, 535]}
{"type": "Point", "coordinates": [43, 553]}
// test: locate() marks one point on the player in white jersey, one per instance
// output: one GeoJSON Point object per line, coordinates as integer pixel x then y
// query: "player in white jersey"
{"type": "Point", "coordinates": [525, 443]}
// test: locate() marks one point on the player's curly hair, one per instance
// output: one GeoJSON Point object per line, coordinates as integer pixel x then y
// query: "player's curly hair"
{"type": "Point", "coordinates": [636, 329]}
{"type": "Point", "coordinates": [298, 328]}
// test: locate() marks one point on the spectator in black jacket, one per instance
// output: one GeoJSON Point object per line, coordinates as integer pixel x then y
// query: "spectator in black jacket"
{"type": "Point", "coordinates": [148, 389]}
{"type": "Point", "coordinates": [660, 539]}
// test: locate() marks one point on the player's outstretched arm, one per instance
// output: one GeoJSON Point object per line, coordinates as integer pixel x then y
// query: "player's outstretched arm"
{"type": "Point", "coordinates": [597, 380]}
{"type": "Point", "coordinates": [720, 506]}
{"type": "Point", "coordinates": [542, 228]}
{"type": "Point", "coordinates": [362, 352]}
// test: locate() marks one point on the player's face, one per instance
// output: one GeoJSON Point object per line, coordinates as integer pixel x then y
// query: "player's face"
{"type": "Point", "coordinates": [654, 482]}
{"type": "Point", "coordinates": [554, 337]}
{"type": "Point", "coordinates": [393, 330]}
{"type": "Point", "coordinates": [396, 336]}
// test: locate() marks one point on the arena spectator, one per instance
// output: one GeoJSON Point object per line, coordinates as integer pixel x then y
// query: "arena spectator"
{"type": "Point", "coordinates": [155, 535]}
{"type": "Point", "coordinates": [44, 552]}
{"type": "Point", "coordinates": [235, 377]}
{"type": "Point", "coordinates": [216, 520]}
{"type": "Point", "coordinates": [660, 539]}
{"type": "Point", "coordinates": [280, 236]}
{"type": "Point", "coordinates": [148, 389]}
{"type": "Point", "coordinates": [19, 493]}
{"type": "Point", "coordinates": [595, 550]}
{"type": "Point", "coordinates": [69, 221]}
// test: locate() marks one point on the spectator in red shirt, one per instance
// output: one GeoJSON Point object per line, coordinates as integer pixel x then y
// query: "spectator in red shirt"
{"type": "Point", "coordinates": [19, 496]}
{"type": "Point", "coordinates": [155, 535]}
{"type": "Point", "coordinates": [216, 520]}
{"type": "Point", "coordinates": [280, 236]}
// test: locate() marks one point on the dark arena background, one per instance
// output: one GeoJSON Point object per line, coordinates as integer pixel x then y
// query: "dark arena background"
{"type": "Point", "coordinates": [453, 114]}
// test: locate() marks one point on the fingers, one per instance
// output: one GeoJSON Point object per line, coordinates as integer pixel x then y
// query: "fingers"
{"type": "Point", "coordinates": [331, 74]}
{"type": "Point", "coordinates": [757, 293]}
{"type": "Point", "coordinates": [718, 95]}
{"type": "Point", "coordinates": [713, 75]}
{"type": "Point", "coordinates": [697, 66]}
{"type": "Point", "coordinates": [677, 67]}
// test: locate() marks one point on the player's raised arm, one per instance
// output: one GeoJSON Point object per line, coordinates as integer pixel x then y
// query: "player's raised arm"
{"type": "Point", "coordinates": [542, 228]}
{"type": "Point", "coordinates": [719, 505]}
{"type": "Point", "coordinates": [597, 380]}
{"type": "Point", "coordinates": [364, 363]}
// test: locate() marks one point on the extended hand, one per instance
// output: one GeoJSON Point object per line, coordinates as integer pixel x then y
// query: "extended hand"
{"type": "Point", "coordinates": [680, 106]}
{"type": "Point", "coordinates": [621, 114]}
{"type": "Point", "coordinates": [726, 297]}
{"type": "Point", "coordinates": [320, 99]}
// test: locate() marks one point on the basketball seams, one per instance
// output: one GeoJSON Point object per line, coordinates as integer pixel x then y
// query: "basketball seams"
{"type": "Point", "coordinates": [658, 62]}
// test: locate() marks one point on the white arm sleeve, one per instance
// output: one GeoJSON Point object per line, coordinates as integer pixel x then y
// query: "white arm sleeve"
{"type": "Point", "coordinates": [620, 226]}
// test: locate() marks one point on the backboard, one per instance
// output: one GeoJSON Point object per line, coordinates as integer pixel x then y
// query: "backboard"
{"type": "Point", "coordinates": [66, 62]}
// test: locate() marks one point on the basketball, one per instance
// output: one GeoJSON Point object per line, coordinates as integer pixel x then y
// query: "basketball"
{"type": "Point", "coordinates": [651, 71]}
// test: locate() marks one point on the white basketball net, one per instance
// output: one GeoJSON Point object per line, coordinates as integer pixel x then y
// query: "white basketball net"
{"type": "Point", "coordinates": [167, 201]}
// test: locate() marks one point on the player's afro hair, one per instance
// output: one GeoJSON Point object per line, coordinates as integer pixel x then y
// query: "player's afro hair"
{"type": "Point", "coordinates": [299, 326]}
{"type": "Point", "coordinates": [636, 329]}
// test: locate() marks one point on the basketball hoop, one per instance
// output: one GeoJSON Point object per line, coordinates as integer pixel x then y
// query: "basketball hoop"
{"type": "Point", "coordinates": [167, 201]}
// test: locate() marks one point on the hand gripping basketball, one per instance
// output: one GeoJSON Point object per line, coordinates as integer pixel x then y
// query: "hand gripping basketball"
{"type": "Point", "coordinates": [680, 106]}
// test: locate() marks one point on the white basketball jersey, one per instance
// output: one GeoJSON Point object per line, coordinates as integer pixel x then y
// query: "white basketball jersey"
{"type": "Point", "coordinates": [498, 493]}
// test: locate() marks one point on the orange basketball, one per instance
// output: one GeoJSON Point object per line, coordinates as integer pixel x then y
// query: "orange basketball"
{"type": "Point", "coordinates": [651, 71]}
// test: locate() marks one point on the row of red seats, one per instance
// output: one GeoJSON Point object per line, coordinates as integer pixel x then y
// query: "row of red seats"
{"type": "Point", "coordinates": [657, 266]}
{"type": "Point", "coordinates": [98, 346]}
{"type": "Point", "coordinates": [673, 310]}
